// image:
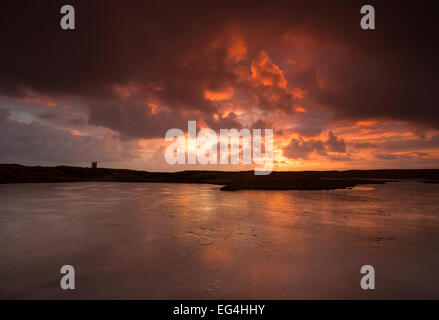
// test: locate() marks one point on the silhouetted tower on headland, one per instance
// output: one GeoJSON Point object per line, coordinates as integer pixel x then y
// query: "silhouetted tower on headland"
{"type": "Point", "coordinates": [94, 165]}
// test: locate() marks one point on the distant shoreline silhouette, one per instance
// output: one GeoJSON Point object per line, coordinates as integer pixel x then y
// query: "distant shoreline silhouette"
{"type": "Point", "coordinates": [231, 181]}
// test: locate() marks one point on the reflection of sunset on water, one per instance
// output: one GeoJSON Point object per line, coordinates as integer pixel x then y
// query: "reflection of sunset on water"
{"type": "Point", "coordinates": [195, 241]}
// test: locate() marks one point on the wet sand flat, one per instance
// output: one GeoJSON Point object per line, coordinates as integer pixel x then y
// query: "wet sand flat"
{"type": "Point", "coordinates": [181, 241]}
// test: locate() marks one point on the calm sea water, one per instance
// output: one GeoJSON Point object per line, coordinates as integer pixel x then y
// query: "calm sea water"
{"type": "Point", "coordinates": [170, 241]}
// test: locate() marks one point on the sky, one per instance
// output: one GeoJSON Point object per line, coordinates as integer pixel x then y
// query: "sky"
{"type": "Point", "coordinates": [336, 96]}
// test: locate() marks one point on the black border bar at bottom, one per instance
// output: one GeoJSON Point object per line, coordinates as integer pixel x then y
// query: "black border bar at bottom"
{"type": "Point", "coordinates": [220, 309]}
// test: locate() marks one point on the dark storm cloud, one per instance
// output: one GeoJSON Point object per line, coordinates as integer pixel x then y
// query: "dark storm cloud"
{"type": "Point", "coordinates": [4, 114]}
{"type": "Point", "coordinates": [36, 143]}
{"type": "Point", "coordinates": [76, 121]}
{"type": "Point", "coordinates": [164, 49]}
{"type": "Point", "coordinates": [308, 130]}
{"type": "Point", "coordinates": [335, 144]}
{"type": "Point", "coordinates": [224, 122]}
{"type": "Point", "coordinates": [48, 115]}
{"type": "Point", "coordinates": [261, 124]}
{"type": "Point", "coordinates": [404, 156]}
{"type": "Point", "coordinates": [134, 119]}
{"type": "Point", "coordinates": [301, 149]}
{"type": "Point", "coordinates": [411, 144]}
{"type": "Point", "coordinates": [363, 145]}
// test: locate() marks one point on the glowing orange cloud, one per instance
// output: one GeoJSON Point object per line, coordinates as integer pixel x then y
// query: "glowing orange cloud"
{"type": "Point", "coordinates": [219, 95]}
{"type": "Point", "coordinates": [265, 72]}
{"type": "Point", "coordinates": [237, 50]}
